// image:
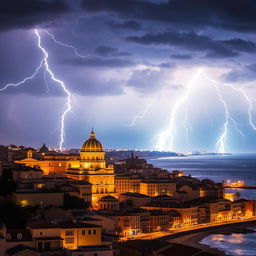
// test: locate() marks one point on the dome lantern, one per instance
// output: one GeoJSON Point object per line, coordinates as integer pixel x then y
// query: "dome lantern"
{"type": "Point", "coordinates": [92, 144]}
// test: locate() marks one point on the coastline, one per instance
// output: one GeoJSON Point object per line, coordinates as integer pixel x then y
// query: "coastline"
{"type": "Point", "coordinates": [194, 239]}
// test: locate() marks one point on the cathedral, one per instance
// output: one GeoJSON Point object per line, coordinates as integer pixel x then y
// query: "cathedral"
{"type": "Point", "coordinates": [90, 166]}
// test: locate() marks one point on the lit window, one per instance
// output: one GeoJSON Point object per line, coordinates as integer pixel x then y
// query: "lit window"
{"type": "Point", "coordinates": [8, 236]}
{"type": "Point", "coordinates": [69, 233]}
{"type": "Point", "coordinates": [40, 185]}
{"type": "Point", "coordinates": [69, 240]}
{"type": "Point", "coordinates": [24, 203]}
{"type": "Point", "coordinates": [19, 236]}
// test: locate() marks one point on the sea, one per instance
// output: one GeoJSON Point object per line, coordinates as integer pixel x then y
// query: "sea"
{"type": "Point", "coordinates": [221, 168]}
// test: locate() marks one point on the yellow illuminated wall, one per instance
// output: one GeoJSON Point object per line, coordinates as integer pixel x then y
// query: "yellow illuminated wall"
{"type": "Point", "coordinates": [157, 188]}
{"type": "Point", "coordinates": [75, 237]}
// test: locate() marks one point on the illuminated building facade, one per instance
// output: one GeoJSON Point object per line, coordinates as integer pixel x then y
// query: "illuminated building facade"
{"type": "Point", "coordinates": [89, 166]}
{"type": "Point", "coordinates": [129, 224]}
{"type": "Point", "coordinates": [158, 187]}
{"type": "Point", "coordinates": [127, 183]}
{"type": "Point", "coordinates": [93, 169]}
{"type": "Point", "coordinates": [159, 221]}
{"type": "Point", "coordinates": [51, 163]}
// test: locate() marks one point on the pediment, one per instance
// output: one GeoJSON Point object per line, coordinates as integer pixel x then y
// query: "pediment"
{"type": "Point", "coordinates": [26, 160]}
{"type": "Point", "coordinates": [101, 171]}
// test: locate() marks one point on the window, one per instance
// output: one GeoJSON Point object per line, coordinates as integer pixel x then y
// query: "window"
{"type": "Point", "coordinates": [41, 233]}
{"type": "Point", "coordinates": [69, 233]}
{"type": "Point", "coordinates": [83, 232]}
{"type": "Point", "coordinates": [94, 231]}
{"type": "Point", "coordinates": [8, 236]}
{"type": "Point", "coordinates": [47, 245]}
{"type": "Point", "coordinates": [69, 240]}
{"type": "Point", "coordinates": [89, 232]}
{"type": "Point", "coordinates": [19, 236]}
{"type": "Point", "coordinates": [40, 246]}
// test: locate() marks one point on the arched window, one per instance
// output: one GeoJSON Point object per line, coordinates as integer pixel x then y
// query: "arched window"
{"type": "Point", "coordinates": [8, 236]}
{"type": "Point", "coordinates": [19, 236]}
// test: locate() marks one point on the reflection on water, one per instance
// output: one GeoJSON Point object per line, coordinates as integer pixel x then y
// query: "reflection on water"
{"type": "Point", "coordinates": [218, 237]}
{"type": "Point", "coordinates": [234, 244]}
{"type": "Point", "coordinates": [240, 252]}
{"type": "Point", "coordinates": [236, 239]}
{"type": "Point", "coordinates": [233, 239]}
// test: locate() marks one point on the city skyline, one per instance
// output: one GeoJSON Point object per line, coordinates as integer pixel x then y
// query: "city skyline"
{"type": "Point", "coordinates": [128, 72]}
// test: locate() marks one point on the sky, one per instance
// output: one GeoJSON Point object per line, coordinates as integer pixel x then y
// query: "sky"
{"type": "Point", "coordinates": [175, 75]}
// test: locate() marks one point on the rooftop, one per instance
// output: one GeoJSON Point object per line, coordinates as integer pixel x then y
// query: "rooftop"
{"type": "Point", "coordinates": [138, 195]}
{"type": "Point", "coordinates": [42, 224]}
{"type": "Point", "coordinates": [19, 248]}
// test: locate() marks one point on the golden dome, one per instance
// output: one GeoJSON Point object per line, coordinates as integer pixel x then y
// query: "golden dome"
{"type": "Point", "coordinates": [92, 145]}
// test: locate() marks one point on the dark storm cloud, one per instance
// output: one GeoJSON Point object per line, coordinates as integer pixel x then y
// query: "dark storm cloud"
{"type": "Point", "coordinates": [166, 65]}
{"type": "Point", "coordinates": [238, 76]}
{"type": "Point", "coordinates": [187, 40]}
{"type": "Point", "coordinates": [240, 45]}
{"type": "Point", "coordinates": [110, 51]}
{"type": "Point", "coordinates": [123, 54]}
{"type": "Point", "coordinates": [106, 50]}
{"type": "Point", "coordinates": [243, 74]}
{"type": "Point", "coordinates": [151, 80]}
{"type": "Point", "coordinates": [252, 67]}
{"type": "Point", "coordinates": [99, 62]}
{"type": "Point", "coordinates": [229, 14]}
{"type": "Point", "coordinates": [92, 85]}
{"type": "Point", "coordinates": [95, 87]}
{"type": "Point", "coordinates": [130, 25]}
{"type": "Point", "coordinates": [28, 13]}
{"type": "Point", "coordinates": [181, 56]}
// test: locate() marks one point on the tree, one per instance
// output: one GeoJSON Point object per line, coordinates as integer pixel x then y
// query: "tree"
{"type": "Point", "coordinates": [12, 215]}
{"type": "Point", "coordinates": [73, 202]}
{"type": "Point", "coordinates": [6, 187]}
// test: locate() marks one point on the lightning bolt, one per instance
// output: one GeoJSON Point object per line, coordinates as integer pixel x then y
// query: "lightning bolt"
{"type": "Point", "coordinates": [245, 96]}
{"type": "Point", "coordinates": [61, 84]}
{"type": "Point", "coordinates": [44, 63]}
{"type": "Point", "coordinates": [222, 139]}
{"type": "Point", "coordinates": [31, 77]}
{"type": "Point", "coordinates": [66, 45]}
{"type": "Point", "coordinates": [149, 70]}
{"type": "Point", "coordinates": [140, 116]}
{"type": "Point", "coordinates": [186, 125]}
{"type": "Point", "coordinates": [166, 137]}
{"type": "Point", "coordinates": [46, 82]}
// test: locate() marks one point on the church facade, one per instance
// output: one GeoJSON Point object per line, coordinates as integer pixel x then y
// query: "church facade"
{"type": "Point", "coordinates": [90, 166]}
